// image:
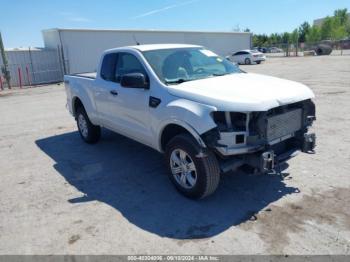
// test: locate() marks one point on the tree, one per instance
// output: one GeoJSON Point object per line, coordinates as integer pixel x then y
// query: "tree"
{"type": "Point", "coordinates": [4, 69]}
{"type": "Point", "coordinates": [336, 27]}
{"type": "Point", "coordinates": [326, 28]}
{"type": "Point", "coordinates": [342, 15]}
{"type": "Point", "coordinates": [285, 37]}
{"type": "Point", "coordinates": [303, 30]}
{"type": "Point", "coordinates": [339, 33]}
{"type": "Point", "coordinates": [332, 28]}
{"type": "Point", "coordinates": [347, 28]}
{"type": "Point", "coordinates": [275, 39]}
{"type": "Point", "coordinates": [314, 35]}
{"type": "Point", "coordinates": [260, 40]}
{"type": "Point", "coordinates": [294, 36]}
{"type": "Point", "coordinates": [340, 24]}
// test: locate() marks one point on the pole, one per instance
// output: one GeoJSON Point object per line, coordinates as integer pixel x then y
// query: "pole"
{"type": "Point", "coordinates": [31, 65]}
{"type": "Point", "coordinates": [1, 86]}
{"type": "Point", "coordinates": [64, 61]}
{"type": "Point", "coordinates": [60, 61]}
{"type": "Point", "coordinates": [297, 45]}
{"type": "Point", "coordinates": [20, 77]}
{"type": "Point", "coordinates": [30, 82]}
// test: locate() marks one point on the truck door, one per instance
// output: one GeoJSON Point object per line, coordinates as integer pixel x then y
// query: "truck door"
{"type": "Point", "coordinates": [124, 110]}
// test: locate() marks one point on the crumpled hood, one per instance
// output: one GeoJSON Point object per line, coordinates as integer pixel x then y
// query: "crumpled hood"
{"type": "Point", "coordinates": [243, 92]}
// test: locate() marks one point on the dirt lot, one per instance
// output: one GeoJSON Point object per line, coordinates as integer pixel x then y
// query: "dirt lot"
{"type": "Point", "coordinates": [59, 195]}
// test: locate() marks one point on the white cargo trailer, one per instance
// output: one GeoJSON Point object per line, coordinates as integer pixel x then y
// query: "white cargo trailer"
{"type": "Point", "coordinates": [82, 48]}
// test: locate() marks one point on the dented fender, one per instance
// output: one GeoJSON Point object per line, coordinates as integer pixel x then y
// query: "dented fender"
{"type": "Point", "coordinates": [194, 117]}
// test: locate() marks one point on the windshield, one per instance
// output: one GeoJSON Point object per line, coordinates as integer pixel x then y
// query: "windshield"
{"type": "Point", "coordinates": [175, 66]}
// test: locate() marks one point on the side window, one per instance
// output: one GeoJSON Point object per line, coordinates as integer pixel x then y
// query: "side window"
{"type": "Point", "coordinates": [238, 53]}
{"type": "Point", "coordinates": [126, 64]}
{"type": "Point", "coordinates": [108, 66]}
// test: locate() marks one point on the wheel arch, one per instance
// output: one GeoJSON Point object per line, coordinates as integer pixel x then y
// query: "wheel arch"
{"type": "Point", "coordinates": [173, 128]}
{"type": "Point", "coordinates": [76, 103]}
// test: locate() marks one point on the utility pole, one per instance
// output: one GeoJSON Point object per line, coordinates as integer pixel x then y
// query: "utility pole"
{"type": "Point", "coordinates": [4, 69]}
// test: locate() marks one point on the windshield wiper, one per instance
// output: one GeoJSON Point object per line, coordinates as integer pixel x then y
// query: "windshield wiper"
{"type": "Point", "coordinates": [216, 74]}
{"type": "Point", "coordinates": [178, 81]}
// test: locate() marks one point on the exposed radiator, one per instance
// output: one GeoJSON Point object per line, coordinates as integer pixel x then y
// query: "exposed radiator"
{"type": "Point", "coordinates": [284, 124]}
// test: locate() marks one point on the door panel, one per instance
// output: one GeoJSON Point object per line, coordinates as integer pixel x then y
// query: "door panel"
{"type": "Point", "coordinates": [134, 110]}
{"type": "Point", "coordinates": [125, 110]}
{"type": "Point", "coordinates": [106, 104]}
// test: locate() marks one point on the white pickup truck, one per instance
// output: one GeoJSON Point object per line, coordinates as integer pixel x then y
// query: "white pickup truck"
{"type": "Point", "coordinates": [202, 111]}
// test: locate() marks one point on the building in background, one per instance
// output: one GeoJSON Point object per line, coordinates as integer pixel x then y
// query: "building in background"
{"type": "Point", "coordinates": [80, 49]}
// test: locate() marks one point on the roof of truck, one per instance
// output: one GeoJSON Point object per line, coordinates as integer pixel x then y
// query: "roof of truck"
{"type": "Point", "coordinates": [156, 47]}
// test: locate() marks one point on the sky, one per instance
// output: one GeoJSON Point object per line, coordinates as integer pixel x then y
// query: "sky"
{"type": "Point", "coordinates": [21, 21]}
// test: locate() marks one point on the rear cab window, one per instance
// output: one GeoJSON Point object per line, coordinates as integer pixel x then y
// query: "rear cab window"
{"type": "Point", "coordinates": [108, 66]}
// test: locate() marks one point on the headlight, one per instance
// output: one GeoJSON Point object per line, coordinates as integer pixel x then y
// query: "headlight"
{"type": "Point", "coordinates": [230, 121]}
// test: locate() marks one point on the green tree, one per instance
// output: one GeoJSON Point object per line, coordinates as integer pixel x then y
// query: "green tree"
{"type": "Point", "coordinates": [4, 69]}
{"type": "Point", "coordinates": [294, 36]}
{"type": "Point", "coordinates": [332, 28]}
{"type": "Point", "coordinates": [260, 40]}
{"type": "Point", "coordinates": [275, 39]}
{"type": "Point", "coordinates": [303, 30]}
{"type": "Point", "coordinates": [336, 27]}
{"type": "Point", "coordinates": [347, 28]}
{"type": "Point", "coordinates": [342, 15]}
{"type": "Point", "coordinates": [340, 24]}
{"type": "Point", "coordinates": [286, 37]}
{"type": "Point", "coordinates": [326, 28]}
{"type": "Point", "coordinates": [314, 35]}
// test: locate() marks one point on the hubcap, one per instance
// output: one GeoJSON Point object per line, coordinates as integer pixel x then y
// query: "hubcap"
{"type": "Point", "coordinates": [183, 168]}
{"type": "Point", "coordinates": [82, 125]}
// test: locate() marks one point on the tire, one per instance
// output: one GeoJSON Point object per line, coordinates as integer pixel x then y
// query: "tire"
{"type": "Point", "coordinates": [247, 61]}
{"type": "Point", "coordinates": [206, 173]}
{"type": "Point", "coordinates": [258, 62]}
{"type": "Point", "coordinates": [88, 132]}
{"type": "Point", "coordinates": [319, 51]}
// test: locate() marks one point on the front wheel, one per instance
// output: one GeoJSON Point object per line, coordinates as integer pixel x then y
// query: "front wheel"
{"type": "Point", "coordinates": [194, 172]}
{"type": "Point", "coordinates": [247, 61]}
{"type": "Point", "coordinates": [88, 131]}
{"type": "Point", "coordinates": [258, 62]}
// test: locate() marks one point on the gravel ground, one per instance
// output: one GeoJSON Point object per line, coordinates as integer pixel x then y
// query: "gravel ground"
{"type": "Point", "coordinates": [61, 196]}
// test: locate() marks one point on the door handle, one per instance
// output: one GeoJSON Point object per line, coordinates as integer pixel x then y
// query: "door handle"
{"type": "Point", "coordinates": [114, 92]}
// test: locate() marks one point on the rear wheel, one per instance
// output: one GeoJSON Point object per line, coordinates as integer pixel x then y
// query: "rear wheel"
{"type": "Point", "coordinates": [247, 61]}
{"type": "Point", "coordinates": [88, 132]}
{"type": "Point", "coordinates": [194, 172]}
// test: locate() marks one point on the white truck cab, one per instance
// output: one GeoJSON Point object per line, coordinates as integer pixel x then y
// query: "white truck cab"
{"type": "Point", "coordinates": [202, 111]}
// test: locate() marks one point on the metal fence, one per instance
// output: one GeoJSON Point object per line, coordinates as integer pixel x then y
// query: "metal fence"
{"type": "Point", "coordinates": [341, 47]}
{"type": "Point", "coordinates": [28, 67]}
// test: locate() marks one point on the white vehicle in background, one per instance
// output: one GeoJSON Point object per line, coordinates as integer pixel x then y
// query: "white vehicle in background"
{"type": "Point", "coordinates": [206, 115]}
{"type": "Point", "coordinates": [247, 57]}
{"type": "Point", "coordinates": [274, 50]}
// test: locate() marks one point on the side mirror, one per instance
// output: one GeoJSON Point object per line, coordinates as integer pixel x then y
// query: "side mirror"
{"type": "Point", "coordinates": [134, 80]}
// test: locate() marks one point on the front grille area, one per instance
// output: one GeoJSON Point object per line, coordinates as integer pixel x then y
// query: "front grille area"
{"type": "Point", "coordinates": [283, 124]}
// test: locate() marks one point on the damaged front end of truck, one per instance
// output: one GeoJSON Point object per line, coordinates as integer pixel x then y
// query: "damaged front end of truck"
{"type": "Point", "coordinates": [264, 139]}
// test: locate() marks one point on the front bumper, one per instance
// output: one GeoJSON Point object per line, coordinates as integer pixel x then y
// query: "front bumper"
{"type": "Point", "coordinates": [267, 158]}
